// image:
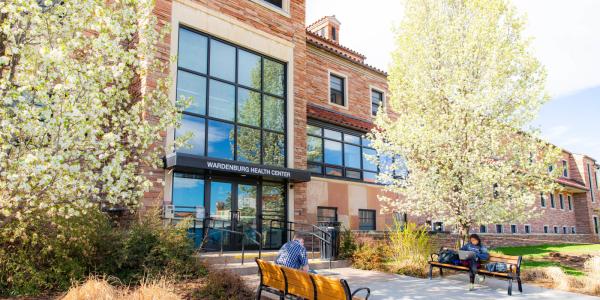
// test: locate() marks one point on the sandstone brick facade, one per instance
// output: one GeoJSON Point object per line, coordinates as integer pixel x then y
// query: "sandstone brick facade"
{"type": "Point", "coordinates": [251, 24]}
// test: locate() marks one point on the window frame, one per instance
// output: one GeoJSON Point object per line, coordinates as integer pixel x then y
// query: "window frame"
{"type": "Point", "coordinates": [573, 230]}
{"type": "Point", "coordinates": [546, 229]}
{"type": "Point", "coordinates": [236, 123]}
{"type": "Point", "coordinates": [555, 229]}
{"type": "Point", "coordinates": [360, 218]}
{"type": "Point", "coordinates": [561, 201]}
{"type": "Point", "coordinates": [345, 82]}
{"type": "Point", "coordinates": [570, 202]}
{"type": "Point", "coordinates": [484, 227]}
{"type": "Point", "coordinates": [501, 226]}
{"type": "Point", "coordinates": [284, 10]}
{"type": "Point", "coordinates": [335, 210]}
{"type": "Point", "coordinates": [527, 228]}
{"type": "Point", "coordinates": [515, 227]}
{"type": "Point", "coordinates": [565, 230]}
{"type": "Point", "coordinates": [589, 171]}
{"type": "Point", "coordinates": [565, 165]}
{"type": "Point", "coordinates": [322, 165]}
{"type": "Point", "coordinates": [552, 201]}
{"type": "Point", "coordinates": [382, 104]}
{"type": "Point", "coordinates": [543, 200]}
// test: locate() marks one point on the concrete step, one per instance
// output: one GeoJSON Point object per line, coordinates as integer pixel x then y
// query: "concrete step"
{"type": "Point", "coordinates": [250, 267]}
{"type": "Point", "coordinates": [236, 256]}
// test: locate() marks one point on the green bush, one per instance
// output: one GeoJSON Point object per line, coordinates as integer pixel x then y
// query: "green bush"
{"type": "Point", "coordinates": [347, 244]}
{"type": "Point", "coordinates": [410, 247]}
{"type": "Point", "coordinates": [370, 255]}
{"type": "Point", "coordinates": [55, 253]}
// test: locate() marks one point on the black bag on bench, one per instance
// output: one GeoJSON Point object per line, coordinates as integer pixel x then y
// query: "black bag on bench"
{"type": "Point", "coordinates": [447, 256]}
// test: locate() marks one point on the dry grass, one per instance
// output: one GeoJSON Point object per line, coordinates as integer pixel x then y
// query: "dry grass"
{"type": "Point", "coordinates": [99, 288]}
{"type": "Point", "coordinates": [554, 277]}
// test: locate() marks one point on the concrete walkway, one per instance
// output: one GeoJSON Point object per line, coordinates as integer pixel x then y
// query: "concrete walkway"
{"type": "Point", "coordinates": [390, 286]}
{"type": "Point", "coordinates": [386, 286]}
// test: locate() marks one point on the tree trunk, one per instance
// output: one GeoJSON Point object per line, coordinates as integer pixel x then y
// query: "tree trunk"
{"type": "Point", "coordinates": [463, 231]}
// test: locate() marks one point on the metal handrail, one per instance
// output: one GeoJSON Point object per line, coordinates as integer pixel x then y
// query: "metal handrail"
{"type": "Point", "coordinates": [328, 240]}
{"type": "Point", "coordinates": [242, 233]}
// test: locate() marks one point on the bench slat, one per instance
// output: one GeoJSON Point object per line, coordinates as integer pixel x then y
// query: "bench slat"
{"type": "Point", "coordinates": [328, 288]}
{"type": "Point", "coordinates": [299, 283]}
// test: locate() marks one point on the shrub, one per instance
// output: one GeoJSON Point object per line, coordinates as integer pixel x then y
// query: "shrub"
{"type": "Point", "coordinates": [369, 255]}
{"type": "Point", "coordinates": [148, 249]}
{"type": "Point", "coordinates": [222, 285]}
{"type": "Point", "coordinates": [99, 288]}
{"type": "Point", "coordinates": [54, 251]}
{"type": "Point", "coordinates": [57, 252]}
{"type": "Point", "coordinates": [410, 247]}
{"type": "Point", "coordinates": [347, 244]}
{"type": "Point", "coordinates": [93, 288]}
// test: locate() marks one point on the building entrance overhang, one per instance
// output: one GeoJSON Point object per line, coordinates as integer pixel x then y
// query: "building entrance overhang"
{"type": "Point", "coordinates": [571, 185]}
{"type": "Point", "coordinates": [188, 162]}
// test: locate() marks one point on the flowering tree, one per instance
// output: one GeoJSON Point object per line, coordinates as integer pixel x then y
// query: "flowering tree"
{"type": "Point", "coordinates": [464, 87]}
{"type": "Point", "coordinates": [77, 117]}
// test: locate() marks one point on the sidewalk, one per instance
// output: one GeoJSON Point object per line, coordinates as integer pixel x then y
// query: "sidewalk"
{"type": "Point", "coordinates": [386, 286]}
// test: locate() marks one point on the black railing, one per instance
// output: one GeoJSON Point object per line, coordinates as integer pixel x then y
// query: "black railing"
{"type": "Point", "coordinates": [178, 213]}
{"type": "Point", "coordinates": [226, 228]}
{"type": "Point", "coordinates": [315, 232]}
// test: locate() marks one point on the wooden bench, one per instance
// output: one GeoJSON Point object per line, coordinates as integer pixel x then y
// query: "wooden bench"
{"type": "Point", "coordinates": [287, 282]}
{"type": "Point", "coordinates": [513, 272]}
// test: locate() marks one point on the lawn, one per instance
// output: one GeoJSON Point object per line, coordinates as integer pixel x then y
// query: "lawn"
{"type": "Point", "coordinates": [537, 256]}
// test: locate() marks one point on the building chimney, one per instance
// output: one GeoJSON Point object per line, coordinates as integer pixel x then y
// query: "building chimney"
{"type": "Point", "coordinates": [328, 27]}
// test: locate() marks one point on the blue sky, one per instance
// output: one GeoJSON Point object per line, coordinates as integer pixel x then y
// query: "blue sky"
{"type": "Point", "coordinates": [566, 40]}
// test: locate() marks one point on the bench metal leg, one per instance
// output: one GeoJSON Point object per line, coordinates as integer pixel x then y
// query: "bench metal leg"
{"type": "Point", "coordinates": [430, 272]}
{"type": "Point", "coordinates": [520, 285]}
{"type": "Point", "coordinates": [258, 293]}
{"type": "Point", "coordinates": [510, 281]}
{"type": "Point", "coordinates": [441, 272]}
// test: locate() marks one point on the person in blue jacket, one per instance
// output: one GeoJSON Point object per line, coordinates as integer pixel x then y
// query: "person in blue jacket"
{"type": "Point", "coordinates": [481, 253]}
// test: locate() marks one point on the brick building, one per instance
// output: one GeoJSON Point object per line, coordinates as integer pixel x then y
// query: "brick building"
{"type": "Point", "coordinates": [278, 112]}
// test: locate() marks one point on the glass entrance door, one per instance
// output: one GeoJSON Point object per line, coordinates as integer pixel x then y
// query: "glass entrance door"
{"type": "Point", "coordinates": [221, 214]}
{"type": "Point", "coordinates": [246, 214]}
{"type": "Point", "coordinates": [233, 207]}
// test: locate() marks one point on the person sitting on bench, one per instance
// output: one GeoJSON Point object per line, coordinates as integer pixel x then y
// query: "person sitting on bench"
{"type": "Point", "coordinates": [481, 253]}
{"type": "Point", "coordinates": [293, 254]}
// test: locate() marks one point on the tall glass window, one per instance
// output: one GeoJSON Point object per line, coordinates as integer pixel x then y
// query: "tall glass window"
{"type": "Point", "coordinates": [340, 152]}
{"type": "Point", "coordinates": [238, 101]}
{"type": "Point", "coordinates": [188, 193]}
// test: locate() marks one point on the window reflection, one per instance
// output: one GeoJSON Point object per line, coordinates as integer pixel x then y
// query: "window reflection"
{"type": "Point", "coordinates": [194, 87]}
{"type": "Point", "coordinates": [222, 60]}
{"type": "Point", "coordinates": [273, 113]}
{"type": "Point", "coordinates": [352, 156]}
{"type": "Point", "coordinates": [247, 98]}
{"type": "Point", "coordinates": [274, 145]}
{"type": "Point", "coordinates": [248, 107]}
{"type": "Point", "coordinates": [367, 156]}
{"type": "Point", "coordinates": [314, 150]}
{"type": "Point", "coordinates": [249, 69]}
{"type": "Point", "coordinates": [188, 193]}
{"type": "Point", "coordinates": [273, 77]}
{"type": "Point", "coordinates": [195, 144]}
{"type": "Point", "coordinates": [248, 144]}
{"type": "Point", "coordinates": [273, 210]}
{"type": "Point", "coordinates": [333, 152]}
{"type": "Point", "coordinates": [222, 100]}
{"type": "Point", "coordinates": [220, 139]}
{"type": "Point", "coordinates": [192, 51]}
